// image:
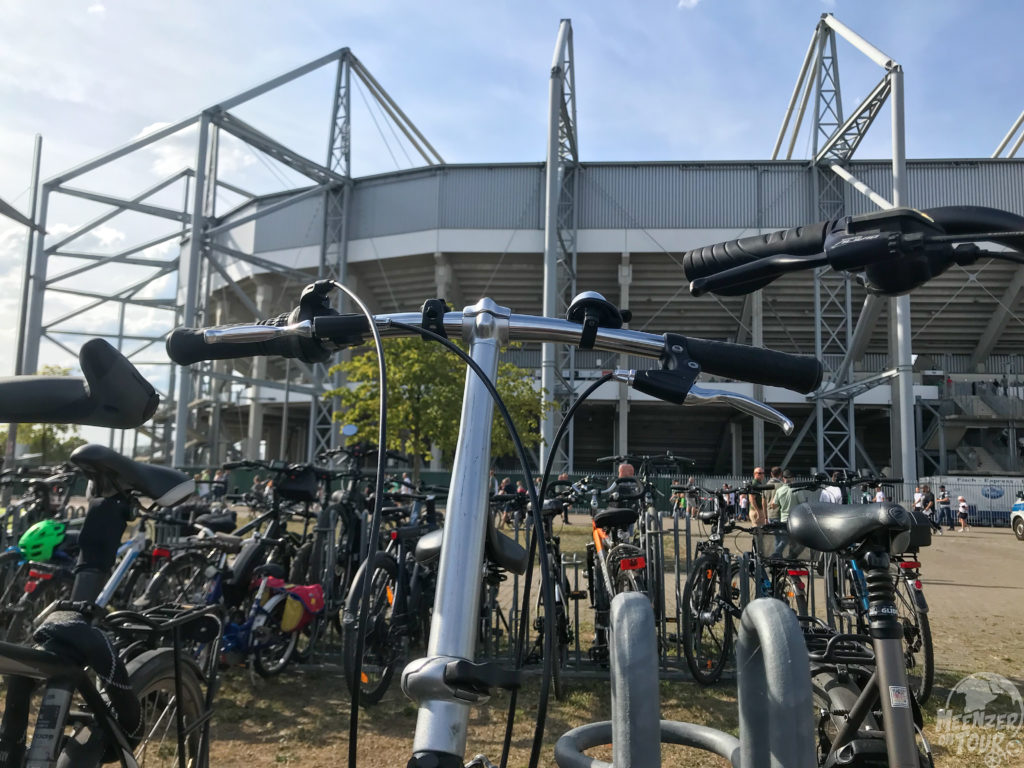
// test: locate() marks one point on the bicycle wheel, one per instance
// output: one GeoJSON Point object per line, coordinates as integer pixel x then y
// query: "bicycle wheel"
{"type": "Point", "coordinates": [707, 625]}
{"type": "Point", "coordinates": [792, 591]}
{"type": "Point", "coordinates": [151, 675]}
{"type": "Point", "coordinates": [301, 572]}
{"type": "Point", "coordinates": [181, 580]}
{"type": "Point", "coordinates": [562, 636]}
{"type": "Point", "coordinates": [272, 646]}
{"type": "Point", "coordinates": [31, 604]}
{"type": "Point", "coordinates": [381, 649]}
{"type": "Point", "coordinates": [917, 642]}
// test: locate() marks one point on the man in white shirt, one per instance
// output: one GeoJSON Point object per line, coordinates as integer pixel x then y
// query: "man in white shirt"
{"type": "Point", "coordinates": [832, 494]}
{"type": "Point", "coordinates": [879, 495]}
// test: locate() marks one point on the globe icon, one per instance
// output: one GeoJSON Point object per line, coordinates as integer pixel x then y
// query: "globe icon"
{"type": "Point", "coordinates": [986, 699]}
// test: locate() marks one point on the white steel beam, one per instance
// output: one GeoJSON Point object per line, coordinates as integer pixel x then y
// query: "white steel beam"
{"type": "Point", "coordinates": [858, 42]}
{"type": "Point", "coordinates": [1000, 318]}
{"type": "Point", "coordinates": [1008, 136]}
{"type": "Point", "coordinates": [796, 94]}
{"type": "Point", "coordinates": [860, 186]}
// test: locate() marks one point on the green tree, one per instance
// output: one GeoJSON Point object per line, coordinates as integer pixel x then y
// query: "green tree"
{"type": "Point", "coordinates": [52, 442]}
{"type": "Point", "coordinates": [425, 386]}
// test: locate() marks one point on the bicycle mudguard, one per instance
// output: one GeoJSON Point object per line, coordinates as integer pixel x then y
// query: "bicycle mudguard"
{"type": "Point", "coordinates": [69, 635]}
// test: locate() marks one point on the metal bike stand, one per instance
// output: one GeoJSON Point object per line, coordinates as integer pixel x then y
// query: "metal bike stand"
{"type": "Point", "coordinates": [574, 561]}
{"type": "Point", "coordinates": [773, 668]}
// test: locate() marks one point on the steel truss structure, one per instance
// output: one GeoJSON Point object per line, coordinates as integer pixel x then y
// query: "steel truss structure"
{"type": "Point", "coordinates": [196, 250]}
{"type": "Point", "coordinates": [209, 258]}
{"type": "Point", "coordinates": [837, 341]}
{"type": "Point", "coordinates": [558, 362]}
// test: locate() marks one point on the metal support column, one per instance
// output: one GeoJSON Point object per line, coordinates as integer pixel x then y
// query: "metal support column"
{"type": "Point", "coordinates": [625, 280]}
{"type": "Point", "coordinates": [558, 361]}
{"type": "Point", "coordinates": [901, 304]}
{"type": "Point", "coordinates": [188, 285]}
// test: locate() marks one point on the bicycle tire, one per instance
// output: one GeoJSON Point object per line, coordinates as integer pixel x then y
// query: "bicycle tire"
{"type": "Point", "coordinates": [917, 643]}
{"type": "Point", "coordinates": [301, 570]}
{"type": "Point", "coordinates": [380, 656]}
{"type": "Point", "coordinates": [786, 591]}
{"type": "Point", "coordinates": [706, 652]}
{"type": "Point", "coordinates": [272, 647]}
{"type": "Point", "coordinates": [833, 698]}
{"type": "Point", "coordinates": [562, 637]}
{"type": "Point", "coordinates": [31, 604]}
{"type": "Point", "coordinates": [182, 580]}
{"type": "Point", "coordinates": [151, 676]}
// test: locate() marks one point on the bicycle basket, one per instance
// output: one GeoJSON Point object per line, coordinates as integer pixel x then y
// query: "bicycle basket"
{"type": "Point", "coordinates": [777, 545]}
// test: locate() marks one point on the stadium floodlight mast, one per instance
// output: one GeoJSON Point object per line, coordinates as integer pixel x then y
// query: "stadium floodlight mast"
{"type": "Point", "coordinates": [834, 141]}
{"type": "Point", "coordinates": [558, 362]}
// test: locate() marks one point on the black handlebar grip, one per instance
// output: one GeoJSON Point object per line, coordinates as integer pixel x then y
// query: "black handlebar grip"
{"type": "Point", "coordinates": [712, 259]}
{"type": "Point", "coordinates": [186, 346]}
{"type": "Point", "coordinates": [759, 366]}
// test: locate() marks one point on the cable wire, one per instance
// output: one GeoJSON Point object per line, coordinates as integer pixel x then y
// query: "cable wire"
{"type": "Point", "coordinates": [375, 521]}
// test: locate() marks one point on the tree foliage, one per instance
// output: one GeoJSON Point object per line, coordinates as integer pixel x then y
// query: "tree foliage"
{"type": "Point", "coordinates": [425, 386]}
{"type": "Point", "coordinates": [52, 443]}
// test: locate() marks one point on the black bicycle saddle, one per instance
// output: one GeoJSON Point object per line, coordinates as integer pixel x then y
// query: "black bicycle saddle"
{"type": "Point", "coordinates": [834, 527]}
{"type": "Point", "coordinates": [110, 472]}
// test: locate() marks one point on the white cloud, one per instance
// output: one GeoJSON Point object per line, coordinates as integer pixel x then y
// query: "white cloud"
{"type": "Point", "coordinates": [107, 235]}
{"type": "Point", "coordinates": [688, 4]}
{"type": "Point", "coordinates": [96, 8]}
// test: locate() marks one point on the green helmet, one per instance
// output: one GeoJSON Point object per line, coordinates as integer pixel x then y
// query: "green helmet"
{"type": "Point", "coordinates": [39, 541]}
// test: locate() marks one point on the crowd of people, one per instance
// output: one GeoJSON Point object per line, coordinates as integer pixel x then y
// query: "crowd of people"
{"type": "Point", "coordinates": [774, 503]}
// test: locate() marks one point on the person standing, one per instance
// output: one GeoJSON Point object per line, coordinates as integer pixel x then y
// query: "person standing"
{"type": "Point", "coordinates": [879, 495]}
{"type": "Point", "coordinates": [494, 483]}
{"type": "Point", "coordinates": [945, 507]}
{"type": "Point", "coordinates": [756, 506]}
{"type": "Point", "coordinates": [775, 481]}
{"type": "Point", "coordinates": [832, 494]}
{"type": "Point", "coordinates": [962, 514]}
{"type": "Point", "coordinates": [564, 477]}
{"type": "Point", "coordinates": [917, 499]}
{"type": "Point", "coordinates": [928, 507]}
{"type": "Point", "coordinates": [784, 495]}
{"type": "Point", "coordinates": [729, 499]}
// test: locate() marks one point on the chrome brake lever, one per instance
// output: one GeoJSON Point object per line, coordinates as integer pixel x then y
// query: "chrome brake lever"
{"type": "Point", "coordinates": [247, 333]}
{"type": "Point", "coordinates": [702, 396]}
{"type": "Point", "coordinates": [699, 395]}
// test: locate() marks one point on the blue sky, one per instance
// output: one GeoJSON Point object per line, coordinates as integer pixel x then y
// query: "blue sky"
{"type": "Point", "coordinates": [656, 80]}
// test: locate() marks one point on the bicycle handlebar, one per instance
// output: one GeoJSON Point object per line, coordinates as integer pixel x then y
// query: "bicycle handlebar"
{"type": "Point", "coordinates": [898, 250]}
{"type": "Point", "coordinates": [328, 332]}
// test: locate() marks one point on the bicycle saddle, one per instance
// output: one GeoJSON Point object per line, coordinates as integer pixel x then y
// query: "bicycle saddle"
{"type": "Point", "coordinates": [834, 527]}
{"type": "Point", "coordinates": [615, 517]}
{"type": "Point", "coordinates": [499, 548]}
{"type": "Point", "coordinates": [110, 471]}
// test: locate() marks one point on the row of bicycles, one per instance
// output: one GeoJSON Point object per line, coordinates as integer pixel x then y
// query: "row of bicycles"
{"type": "Point", "coordinates": [137, 684]}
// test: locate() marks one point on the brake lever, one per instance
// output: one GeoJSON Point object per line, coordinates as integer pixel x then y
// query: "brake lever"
{"type": "Point", "coordinates": [702, 396]}
{"type": "Point", "coordinates": [755, 273]}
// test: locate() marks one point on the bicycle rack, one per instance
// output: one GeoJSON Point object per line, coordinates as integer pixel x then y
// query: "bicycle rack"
{"type": "Point", "coordinates": [773, 667]}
